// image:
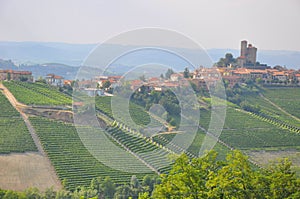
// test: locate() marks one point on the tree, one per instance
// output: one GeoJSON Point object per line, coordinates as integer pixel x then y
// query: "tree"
{"type": "Point", "coordinates": [142, 78]}
{"type": "Point", "coordinates": [23, 79]}
{"type": "Point", "coordinates": [233, 178]}
{"type": "Point", "coordinates": [283, 181]}
{"type": "Point", "coordinates": [123, 192]}
{"type": "Point", "coordinates": [108, 187]}
{"type": "Point", "coordinates": [106, 84]}
{"type": "Point", "coordinates": [187, 178]}
{"type": "Point", "coordinates": [49, 193]}
{"type": "Point", "coordinates": [135, 187]}
{"type": "Point", "coordinates": [224, 62]}
{"type": "Point", "coordinates": [8, 76]}
{"type": "Point", "coordinates": [33, 193]}
{"type": "Point", "coordinates": [96, 185]}
{"type": "Point", "coordinates": [169, 73]}
{"type": "Point", "coordinates": [41, 80]}
{"type": "Point", "coordinates": [148, 183]}
{"type": "Point", "coordinates": [186, 73]}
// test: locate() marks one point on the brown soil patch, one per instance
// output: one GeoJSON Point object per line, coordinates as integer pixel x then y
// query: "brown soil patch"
{"type": "Point", "coordinates": [19, 171]}
{"type": "Point", "coordinates": [265, 157]}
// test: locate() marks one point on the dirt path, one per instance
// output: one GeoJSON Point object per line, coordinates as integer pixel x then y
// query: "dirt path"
{"type": "Point", "coordinates": [278, 107]}
{"type": "Point", "coordinates": [17, 105]}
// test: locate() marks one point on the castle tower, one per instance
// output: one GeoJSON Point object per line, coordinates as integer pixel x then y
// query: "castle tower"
{"type": "Point", "coordinates": [243, 48]}
{"type": "Point", "coordinates": [251, 54]}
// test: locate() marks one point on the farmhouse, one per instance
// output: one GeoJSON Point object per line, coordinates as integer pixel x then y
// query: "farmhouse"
{"type": "Point", "coordinates": [16, 75]}
{"type": "Point", "coordinates": [54, 80]}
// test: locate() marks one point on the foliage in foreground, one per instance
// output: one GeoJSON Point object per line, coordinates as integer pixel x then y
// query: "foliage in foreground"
{"type": "Point", "coordinates": [234, 178]}
{"type": "Point", "coordinates": [204, 177]}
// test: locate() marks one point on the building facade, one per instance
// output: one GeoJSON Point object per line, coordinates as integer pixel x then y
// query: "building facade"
{"type": "Point", "coordinates": [16, 75]}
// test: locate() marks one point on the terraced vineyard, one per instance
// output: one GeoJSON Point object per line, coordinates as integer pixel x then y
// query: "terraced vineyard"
{"type": "Point", "coordinates": [273, 111]}
{"type": "Point", "coordinates": [139, 116]}
{"type": "Point", "coordinates": [194, 148]}
{"type": "Point", "coordinates": [37, 94]}
{"type": "Point", "coordinates": [14, 135]}
{"type": "Point", "coordinates": [286, 98]}
{"type": "Point", "coordinates": [244, 131]}
{"type": "Point", "coordinates": [72, 161]}
{"type": "Point", "coordinates": [145, 148]}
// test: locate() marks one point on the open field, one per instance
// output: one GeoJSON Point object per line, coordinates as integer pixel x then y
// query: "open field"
{"type": "Point", "coordinates": [264, 158]}
{"type": "Point", "coordinates": [19, 171]}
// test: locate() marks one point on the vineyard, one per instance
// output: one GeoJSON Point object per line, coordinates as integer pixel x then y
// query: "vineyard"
{"type": "Point", "coordinates": [245, 131]}
{"type": "Point", "coordinates": [37, 94]}
{"type": "Point", "coordinates": [145, 148]}
{"type": "Point", "coordinates": [128, 144]}
{"type": "Point", "coordinates": [72, 161]}
{"type": "Point", "coordinates": [269, 109]}
{"type": "Point", "coordinates": [140, 118]}
{"type": "Point", "coordinates": [194, 148]}
{"type": "Point", "coordinates": [14, 135]}
{"type": "Point", "coordinates": [287, 98]}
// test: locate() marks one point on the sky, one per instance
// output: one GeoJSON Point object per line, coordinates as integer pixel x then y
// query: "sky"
{"type": "Point", "coordinates": [267, 24]}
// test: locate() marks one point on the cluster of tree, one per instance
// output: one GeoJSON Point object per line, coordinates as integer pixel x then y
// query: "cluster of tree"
{"type": "Point", "coordinates": [237, 93]}
{"type": "Point", "coordinates": [165, 98]}
{"type": "Point", "coordinates": [207, 177]}
{"type": "Point", "coordinates": [98, 188]}
{"type": "Point", "coordinates": [249, 107]}
{"type": "Point", "coordinates": [226, 61]}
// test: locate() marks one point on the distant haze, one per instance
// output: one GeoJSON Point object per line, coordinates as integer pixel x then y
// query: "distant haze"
{"type": "Point", "coordinates": [74, 54]}
{"type": "Point", "coordinates": [267, 24]}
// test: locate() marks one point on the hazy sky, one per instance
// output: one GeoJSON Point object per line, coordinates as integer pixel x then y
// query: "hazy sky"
{"type": "Point", "coordinates": [268, 24]}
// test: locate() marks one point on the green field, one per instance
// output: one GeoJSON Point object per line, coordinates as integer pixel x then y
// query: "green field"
{"type": "Point", "coordinates": [282, 97]}
{"type": "Point", "coordinates": [37, 93]}
{"type": "Point", "coordinates": [14, 135]}
{"type": "Point", "coordinates": [71, 159]}
{"type": "Point", "coordinates": [286, 98]}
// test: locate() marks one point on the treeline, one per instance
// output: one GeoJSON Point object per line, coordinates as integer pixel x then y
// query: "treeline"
{"type": "Point", "coordinates": [204, 177]}
{"type": "Point", "coordinates": [99, 188]}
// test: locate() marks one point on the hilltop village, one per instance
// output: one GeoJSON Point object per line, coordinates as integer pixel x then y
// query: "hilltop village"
{"type": "Point", "coordinates": [231, 70]}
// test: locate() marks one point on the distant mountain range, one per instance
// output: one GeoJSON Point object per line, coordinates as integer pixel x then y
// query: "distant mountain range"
{"type": "Point", "coordinates": [41, 57]}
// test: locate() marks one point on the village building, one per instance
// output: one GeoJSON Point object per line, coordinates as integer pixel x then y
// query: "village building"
{"type": "Point", "coordinates": [16, 75]}
{"type": "Point", "coordinates": [54, 80]}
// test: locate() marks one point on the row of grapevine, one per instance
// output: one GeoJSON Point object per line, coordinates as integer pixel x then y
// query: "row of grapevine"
{"type": "Point", "coordinates": [14, 135]}
{"type": "Point", "coordinates": [286, 98]}
{"type": "Point", "coordinates": [70, 157]}
{"type": "Point", "coordinates": [37, 94]}
{"type": "Point", "coordinates": [140, 118]}
{"type": "Point", "coordinates": [148, 150]}
{"type": "Point", "coordinates": [271, 110]}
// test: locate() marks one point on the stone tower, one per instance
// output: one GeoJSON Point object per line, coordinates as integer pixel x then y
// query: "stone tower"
{"type": "Point", "coordinates": [243, 48]}
{"type": "Point", "coordinates": [248, 55]}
